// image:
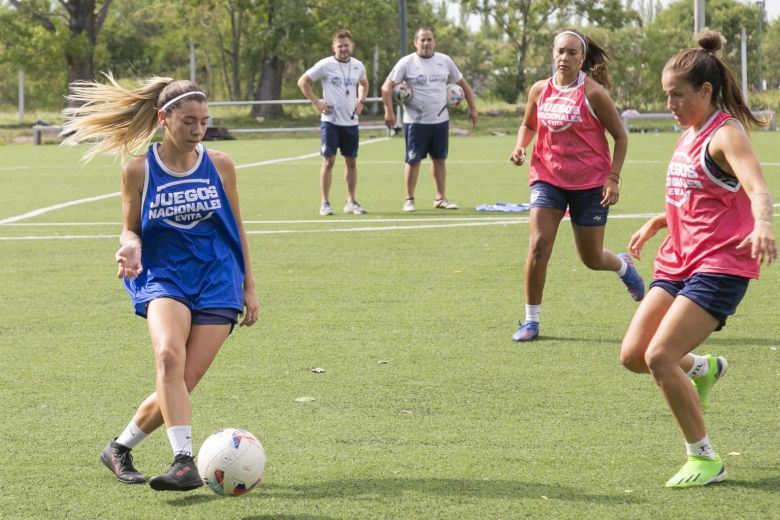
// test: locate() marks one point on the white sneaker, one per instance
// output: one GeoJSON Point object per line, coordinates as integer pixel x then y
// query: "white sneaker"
{"type": "Point", "coordinates": [444, 204]}
{"type": "Point", "coordinates": [409, 204]}
{"type": "Point", "coordinates": [353, 207]}
{"type": "Point", "coordinates": [325, 209]}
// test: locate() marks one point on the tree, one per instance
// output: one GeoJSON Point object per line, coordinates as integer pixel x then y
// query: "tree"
{"type": "Point", "coordinates": [85, 19]}
{"type": "Point", "coordinates": [772, 48]}
{"type": "Point", "coordinates": [523, 22]}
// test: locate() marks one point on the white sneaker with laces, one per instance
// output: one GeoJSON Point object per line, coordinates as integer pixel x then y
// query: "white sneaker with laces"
{"type": "Point", "coordinates": [409, 204]}
{"type": "Point", "coordinates": [325, 209]}
{"type": "Point", "coordinates": [353, 207]}
{"type": "Point", "coordinates": [444, 204]}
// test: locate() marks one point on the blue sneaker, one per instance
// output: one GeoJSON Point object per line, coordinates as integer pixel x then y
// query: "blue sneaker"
{"type": "Point", "coordinates": [526, 331]}
{"type": "Point", "coordinates": [632, 279]}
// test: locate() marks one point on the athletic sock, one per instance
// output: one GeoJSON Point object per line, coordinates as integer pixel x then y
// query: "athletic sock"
{"type": "Point", "coordinates": [180, 438]}
{"type": "Point", "coordinates": [623, 268]}
{"type": "Point", "coordinates": [532, 312]}
{"type": "Point", "coordinates": [699, 367]}
{"type": "Point", "coordinates": [703, 448]}
{"type": "Point", "coordinates": [131, 436]}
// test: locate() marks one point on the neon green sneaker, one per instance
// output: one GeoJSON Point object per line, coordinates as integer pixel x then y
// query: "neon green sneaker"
{"type": "Point", "coordinates": [697, 472]}
{"type": "Point", "coordinates": [717, 369]}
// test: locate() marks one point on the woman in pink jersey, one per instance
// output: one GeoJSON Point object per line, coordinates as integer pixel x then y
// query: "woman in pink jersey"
{"type": "Point", "coordinates": [719, 220]}
{"type": "Point", "coordinates": [571, 168]}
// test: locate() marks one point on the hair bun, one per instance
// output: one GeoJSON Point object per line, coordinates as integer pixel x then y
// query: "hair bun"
{"type": "Point", "coordinates": [711, 41]}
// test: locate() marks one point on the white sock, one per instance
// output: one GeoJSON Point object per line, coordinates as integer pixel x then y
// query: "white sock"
{"type": "Point", "coordinates": [532, 312]}
{"type": "Point", "coordinates": [700, 366]}
{"type": "Point", "coordinates": [180, 438]}
{"type": "Point", "coordinates": [623, 267]}
{"type": "Point", "coordinates": [131, 436]}
{"type": "Point", "coordinates": [703, 448]}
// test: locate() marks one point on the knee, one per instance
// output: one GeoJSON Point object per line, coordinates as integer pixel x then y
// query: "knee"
{"type": "Point", "coordinates": [658, 361]}
{"type": "Point", "coordinates": [539, 248]}
{"type": "Point", "coordinates": [592, 263]}
{"type": "Point", "coordinates": [632, 359]}
{"type": "Point", "coordinates": [170, 363]}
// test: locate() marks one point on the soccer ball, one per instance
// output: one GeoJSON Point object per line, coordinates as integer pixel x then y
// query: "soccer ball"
{"type": "Point", "coordinates": [402, 92]}
{"type": "Point", "coordinates": [231, 461]}
{"type": "Point", "coordinates": [454, 94]}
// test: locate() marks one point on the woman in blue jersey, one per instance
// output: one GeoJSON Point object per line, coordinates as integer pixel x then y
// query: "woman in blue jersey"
{"type": "Point", "coordinates": [183, 252]}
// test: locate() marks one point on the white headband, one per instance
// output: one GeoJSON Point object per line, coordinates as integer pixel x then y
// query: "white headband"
{"type": "Point", "coordinates": [182, 96]}
{"type": "Point", "coordinates": [580, 38]}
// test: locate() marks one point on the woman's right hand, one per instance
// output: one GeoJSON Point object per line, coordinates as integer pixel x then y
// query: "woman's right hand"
{"type": "Point", "coordinates": [128, 256]}
{"type": "Point", "coordinates": [645, 233]}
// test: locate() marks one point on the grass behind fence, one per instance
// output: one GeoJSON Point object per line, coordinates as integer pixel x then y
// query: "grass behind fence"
{"type": "Point", "coordinates": [426, 408]}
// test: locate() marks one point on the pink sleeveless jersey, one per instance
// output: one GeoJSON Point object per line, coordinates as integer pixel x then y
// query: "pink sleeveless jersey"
{"type": "Point", "coordinates": [708, 214]}
{"type": "Point", "coordinates": [571, 150]}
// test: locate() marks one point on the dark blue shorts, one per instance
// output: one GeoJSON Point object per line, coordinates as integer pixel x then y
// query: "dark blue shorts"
{"type": "Point", "coordinates": [584, 206]}
{"type": "Point", "coordinates": [335, 137]}
{"type": "Point", "coordinates": [423, 140]}
{"type": "Point", "coordinates": [718, 294]}
{"type": "Point", "coordinates": [215, 316]}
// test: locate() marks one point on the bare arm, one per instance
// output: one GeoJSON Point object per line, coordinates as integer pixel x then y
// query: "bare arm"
{"type": "Point", "coordinates": [362, 92]}
{"type": "Point", "coordinates": [128, 256]}
{"type": "Point", "coordinates": [227, 172]}
{"type": "Point", "coordinates": [645, 233]}
{"type": "Point", "coordinates": [527, 129]}
{"type": "Point", "coordinates": [469, 94]}
{"type": "Point", "coordinates": [731, 149]}
{"type": "Point", "coordinates": [607, 113]}
{"type": "Point", "coordinates": [387, 101]}
{"type": "Point", "coordinates": [304, 83]}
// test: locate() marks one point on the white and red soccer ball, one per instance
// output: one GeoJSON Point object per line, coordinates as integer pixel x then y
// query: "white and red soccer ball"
{"type": "Point", "coordinates": [231, 461]}
{"type": "Point", "coordinates": [454, 95]}
{"type": "Point", "coordinates": [402, 92]}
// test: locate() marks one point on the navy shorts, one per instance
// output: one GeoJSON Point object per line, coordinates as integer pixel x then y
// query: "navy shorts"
{"type": "Point", "coordinates": [423, 140]}
{"type": "Point", "coordinates": [585, 207]}
{"type": "Point", "coordinates": [214, 316]}
{"type": "Point", "coordinates": [718, 294]}
{"type": "Point", "coordinates": [335, 137]}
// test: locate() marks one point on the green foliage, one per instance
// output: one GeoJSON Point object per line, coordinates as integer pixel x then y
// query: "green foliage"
{"type": "Point", "coordinates": [234, 40]}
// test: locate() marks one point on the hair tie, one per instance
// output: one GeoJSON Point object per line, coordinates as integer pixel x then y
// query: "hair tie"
{"type": "Point", "coordinates": [580, 38]}
{"type": "Point", "coordinates": [182, 96]}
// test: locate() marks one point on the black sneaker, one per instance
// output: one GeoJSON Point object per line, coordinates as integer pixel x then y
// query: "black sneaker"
{"type": "Point", "coordinates": [117, 458]}
{"type": "Point", "coordinates": [182, 476]}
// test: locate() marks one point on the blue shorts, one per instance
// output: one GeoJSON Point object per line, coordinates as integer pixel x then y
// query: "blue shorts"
{"type": "Point", "coordinates": [585, 207]}
{"type": "Point", "coordinates": [335, 137]}
{"type": "Point", "coordinates": [422, 140]}
{"type": "Point", "coordinates": [718, 294]}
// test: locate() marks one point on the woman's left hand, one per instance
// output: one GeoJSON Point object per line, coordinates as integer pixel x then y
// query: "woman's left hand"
{"type": "Point", "coordinates": [251, 307]}
{"type": "Point", "coordinates": [762, 243]}
{"type": "Point", "coordinates": [610, 193]}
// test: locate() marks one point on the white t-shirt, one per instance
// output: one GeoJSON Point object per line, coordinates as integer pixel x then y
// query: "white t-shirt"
{"type": "Point", "coordinates": [428, 79]}
{"type": "Point", "coordinates": [339, 87]}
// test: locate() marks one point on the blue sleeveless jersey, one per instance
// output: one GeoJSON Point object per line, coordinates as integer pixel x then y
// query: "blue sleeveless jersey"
{"type": "Point", "coordinates": [191, 249]}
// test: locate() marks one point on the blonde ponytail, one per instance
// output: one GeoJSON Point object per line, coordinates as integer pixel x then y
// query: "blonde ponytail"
{"type": "Point", "coordinates": [118, 120]}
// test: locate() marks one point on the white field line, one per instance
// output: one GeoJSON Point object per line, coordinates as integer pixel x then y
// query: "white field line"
{"type": "Point", "coordinates": [55, 207]}
{"type": "Point", "coordinates": [363, 227]}
{"type": "Point", "coordinates": [47, 209]}
{"type": "Point", "coordinates": [301, 157]}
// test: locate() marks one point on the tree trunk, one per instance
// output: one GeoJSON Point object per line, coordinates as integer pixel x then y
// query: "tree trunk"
{"type": "Point", "coordinates": [270, 87]}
